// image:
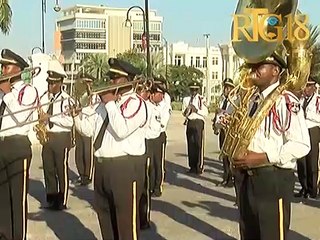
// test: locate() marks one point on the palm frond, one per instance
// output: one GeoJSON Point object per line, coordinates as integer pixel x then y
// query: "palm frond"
{"type": "Point", "coordinates": [5, 17]}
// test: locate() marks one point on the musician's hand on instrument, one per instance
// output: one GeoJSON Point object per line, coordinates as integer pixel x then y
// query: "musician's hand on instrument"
{"type": "Point", "coordinates": [193, 108]}
{"type": "Point", "coordinates": [5, 87]}
{"type": "Point", "coordinates": [251, 159]}
{"type": "Point", "coordinates": [44, 117]}
{"type": "Point", "coordinates": [108, 97]}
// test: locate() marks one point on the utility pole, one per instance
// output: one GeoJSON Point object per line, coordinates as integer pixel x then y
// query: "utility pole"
{"type": "Point", "coordinates": [208, 89]}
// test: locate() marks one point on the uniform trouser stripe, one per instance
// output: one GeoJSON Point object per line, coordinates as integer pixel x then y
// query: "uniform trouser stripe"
{"type": "Point", "coordinates": [281, 224]}
{"type": "Point", "coordinates": [91, 159]}
{"type": "Point", "coordinates": [24, 197]}
{"type": "Point", "coordinates": [148, 189]}
{"type": "Point", "coordinates": [162, 166]}
{"type": "Point", "coordinates": [65, 163]}
{"type": "Point", "coordinates": [202, 149]}
{"type": "Point", "coordinates": [134, 210]}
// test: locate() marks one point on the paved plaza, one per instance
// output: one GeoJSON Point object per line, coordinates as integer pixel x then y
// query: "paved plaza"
{"type": "Point", "coordinates": [191, 207]}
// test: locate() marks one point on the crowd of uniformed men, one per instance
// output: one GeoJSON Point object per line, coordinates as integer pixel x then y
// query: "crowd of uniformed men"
{"type": "Point", "coordinates": [122, 132]}
{"type": "Point", "coordinates": [120, 139]}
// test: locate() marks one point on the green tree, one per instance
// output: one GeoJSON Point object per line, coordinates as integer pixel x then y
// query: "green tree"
{"type": "Point", "coordinates": [180, 77]}
{"type": "Point", "coordinates": [135, 58]}
{"type": "Point", "coordinates": [5, 16]}
{"type": "Point", "coordinates": [96, 65]}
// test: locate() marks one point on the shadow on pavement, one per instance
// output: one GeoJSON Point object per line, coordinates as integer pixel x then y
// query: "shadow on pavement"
{"type": "Point", "coordinates": [173, 169]}
{"type": "Point", "coordinates": [215, 209]}
{"type": "Point", "coordinates": [64, 225]}
{"type": "Point", "coordinates": [292, 235]}
{"type": "Point", "coordinates": [84, 193]}
{"type": "Point", "coordinates": [182, 217]}
{"type": "Point", "coordinates": [151, 234]}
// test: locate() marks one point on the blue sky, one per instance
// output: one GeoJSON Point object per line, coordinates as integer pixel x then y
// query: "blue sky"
{"type": "Point", "coordinates": [185, 20]}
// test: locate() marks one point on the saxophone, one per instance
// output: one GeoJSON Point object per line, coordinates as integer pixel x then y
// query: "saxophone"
{"type": "Point", "coordinates": [40, 128]}
{"type": "Point", "coordinates": [242, 128]}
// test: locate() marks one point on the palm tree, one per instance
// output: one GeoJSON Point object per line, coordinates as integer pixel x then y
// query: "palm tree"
{"type": "Point", "coordinates": [156, 62]}
{"type": "Point", "coordinates": [96, 65]}
{"type": "Point", "coordinates": [5, 16]}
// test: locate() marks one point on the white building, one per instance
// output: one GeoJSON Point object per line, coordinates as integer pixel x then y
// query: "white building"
{"type": "Point", "coordinates": [84, 29]}
{"type": "Point", "coordinates": [219, 63]}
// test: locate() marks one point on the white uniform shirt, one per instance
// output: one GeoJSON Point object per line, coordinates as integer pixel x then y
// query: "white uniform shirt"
{"type": "Point", "coordinates": [153, 126]}
{"type": "Point", "coordinates": [199, 103]}
{"type": "Point", "coordinates": [22, 96]}
{"type": "Point", "coordinates": [313, 111]}
{"type": "Point", "coordinates": [125, 134]}
{"type": "Point", "coordinates": [62, 122]}
{"type": "Point", "coordinates": [165, 110]}
{"type": "Point", "coordinates": [282, 148]}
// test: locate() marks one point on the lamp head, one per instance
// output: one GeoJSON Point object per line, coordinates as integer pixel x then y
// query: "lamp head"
{"type": "Point", "coordinates": [128, 23]}
{"type": "Point", "coordinates": [57, 8]}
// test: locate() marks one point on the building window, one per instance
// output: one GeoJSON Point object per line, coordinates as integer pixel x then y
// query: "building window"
{"type": "Point", "coordinates": [178, 60]}
{"type": "Point", "coordinates": [214, 75]}
{"type": "Point", "coordinates": [191, 63]}
{"type": "Point", "coordinates": [204, 62]}
{"type": "Point", "coordinates": [215, 61]}
{"type": "Point", "coordinates": [80, 45]}
{"type": "Point", "coordinates": [91, 23]}
{"type": "Point", "coordinates": [197, 62]}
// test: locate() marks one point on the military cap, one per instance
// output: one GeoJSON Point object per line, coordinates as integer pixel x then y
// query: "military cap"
{"type": "Point", "coordinates": [8, 57]}
{"type": "Point", "coordinates": [228, 82]}
{"type": "Point", "coordinates": [312, 80]}
{"type": "Point", "coordinates": [157, 88]}
{"type": "Point", "coordinates": [55, 71]}
{"type": "Point", "coordinates": [194, 85]}
{"type": "Point", "coordinates": [275, 59]}
{"type": "Point", "coordinates": [162, 81]}
{"type": "Point", "coordinates": [119, 67]}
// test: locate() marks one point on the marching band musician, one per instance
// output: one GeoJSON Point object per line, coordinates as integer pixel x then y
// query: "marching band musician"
{"type": "Point", "coordinates": [119, 142]}
{"type": "Point", "coordinates": [84, 145]}
{"type": "Point", "coordinates": [165, 110]}
{"type": "Point", "coordinates": [308, 166]}
{"type": "Point", "coordinates": [225, 107]}
{"type": "Point", "coordinates": [196, 105]}
{"type": "Point", "coordinates": [265, 192]}
{"type": "Point", "coordinates": [155, 142]}
{"type": "Point", "coordinates": [15, 147]}
{"type": "Point", "coordinates": [55, 152]}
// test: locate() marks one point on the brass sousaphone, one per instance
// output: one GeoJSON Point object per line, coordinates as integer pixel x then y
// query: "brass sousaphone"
{"type": "Point", "coordinates": [257, 51]}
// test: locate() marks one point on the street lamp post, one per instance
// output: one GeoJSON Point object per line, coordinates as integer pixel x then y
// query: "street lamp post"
{"type": "Point", "coordinates": [35, 48]}
{"type": "Point", "coordinates": [145, 14]}
{"type": "Point", "coordinates": [56, 8]}
{"type": "Point", "coordinates": [165, 40]}
{"type": "Point", "coordinates": [208, 97]}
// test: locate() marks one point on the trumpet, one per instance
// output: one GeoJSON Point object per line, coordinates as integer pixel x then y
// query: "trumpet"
{"type": "Point", "coordinates": [27, 73]}
{"type": "Point", "coordinates": [83, 92]}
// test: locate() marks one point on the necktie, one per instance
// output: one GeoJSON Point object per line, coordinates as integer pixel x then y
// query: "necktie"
{"type": "Point", "coordinates": [254, 106]}
{"type": "Point", "coordinates": [2, 108]}
{"type": "Point", "coordinates": [225, 103]}
{"type": "Point", "coordinates": [50, 112]}
{"type": "Point", "coordinates": [98, 141]}
{"type": "Point", "coordinates": [305, 103]}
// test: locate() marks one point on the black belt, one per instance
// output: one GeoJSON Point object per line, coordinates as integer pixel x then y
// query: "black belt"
{"type": "Point", "coordinates": [255, 171]}
{"type": "Point", "coordinates": [13, 137]}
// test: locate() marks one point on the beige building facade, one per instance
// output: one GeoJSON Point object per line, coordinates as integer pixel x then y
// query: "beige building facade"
{"type": "Point", "coordinates": [85, 29]}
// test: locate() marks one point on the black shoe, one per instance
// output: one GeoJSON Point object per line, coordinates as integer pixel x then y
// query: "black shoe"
{"type": "Point", "coordinates": [221, 184]}
{"type": "Point", "coordinates": [145, 226]}
{"type": "Point", "coordinates": [156, 194]}
{"type": "Point", "coordinates": [192, 170]}
{"type": "Point", "coordinates": [199, 171]}
{"type": "Point", "coordinates": [301, 193]}
{"type": "Point", "coordinates": [229, 184]}
{"type": "Point", "coordinates": [77, 181]}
